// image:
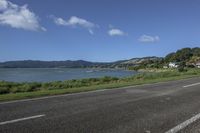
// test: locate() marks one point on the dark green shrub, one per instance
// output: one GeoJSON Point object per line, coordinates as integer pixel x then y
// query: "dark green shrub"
{"type": "Point", "coordinates": [14, 90]}
{"type": "Point", "coordinates": [106, 79]}
{"type": "Point", "coordinates": [4, 90]}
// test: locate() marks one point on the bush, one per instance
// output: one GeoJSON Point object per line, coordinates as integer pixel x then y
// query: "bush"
{"type": "Point", "coordinates": [4, 90]}
{"type": "Point", "coordinates": [14, 90]}
{"type": "Point", "coordinates": [182, 69]}
{"type": "Point", "coordinates": [107, 79]}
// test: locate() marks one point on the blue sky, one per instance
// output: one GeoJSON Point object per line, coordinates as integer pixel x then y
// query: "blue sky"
{"type": "Point", "coordinates": [96, 30]}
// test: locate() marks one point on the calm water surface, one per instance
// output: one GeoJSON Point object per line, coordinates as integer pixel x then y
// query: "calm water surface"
{"type": "Point", "coordinates": [57, 74]}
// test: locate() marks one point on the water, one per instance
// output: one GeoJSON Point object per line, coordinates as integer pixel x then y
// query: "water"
{"type": "Point", "coordinates": [57, 74]}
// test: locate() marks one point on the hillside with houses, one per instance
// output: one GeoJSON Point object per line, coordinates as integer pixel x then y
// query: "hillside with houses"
{"type": "Point", "coordinates": [187, 57]}
{"type": "Point", "coordinates": [183, 58]}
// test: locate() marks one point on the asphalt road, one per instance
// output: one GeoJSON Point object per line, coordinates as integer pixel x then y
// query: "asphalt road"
{"type": "Point", "coordinates": [155, 108]}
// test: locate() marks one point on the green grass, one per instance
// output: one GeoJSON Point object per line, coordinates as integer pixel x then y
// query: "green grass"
{"type": "Point", "coordinates": [16, 91]}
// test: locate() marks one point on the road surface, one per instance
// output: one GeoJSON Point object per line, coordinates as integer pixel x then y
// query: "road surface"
{"type": "Point", "coordinates": [156, 108]}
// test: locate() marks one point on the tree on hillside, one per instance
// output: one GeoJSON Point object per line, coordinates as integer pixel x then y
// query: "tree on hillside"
{"type": "Point", "coordinates": [196, 52]}
{"type": "Point", "coordinates": [170, 57]}
{"type": "Point", "coordinates": [183, 55]}
{"type": "Point", "coordinates": [181, 67]}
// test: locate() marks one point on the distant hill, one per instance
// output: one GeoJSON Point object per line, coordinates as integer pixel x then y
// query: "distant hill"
{"type": "Point", "coordinates": [74, 64]}
{"type": "Point", "coordinates": [185, 56]}
{"type": "Point", "coordinates": [140, 60]}
{"type": "Point", "coordinates": [47, 64]}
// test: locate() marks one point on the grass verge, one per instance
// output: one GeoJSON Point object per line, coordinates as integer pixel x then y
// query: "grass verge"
{"type": "Point", "coordinates": [15, 91]}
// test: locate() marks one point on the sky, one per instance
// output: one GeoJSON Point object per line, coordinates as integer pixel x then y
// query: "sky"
{"type": "Point", "coordinates": [96, 30]}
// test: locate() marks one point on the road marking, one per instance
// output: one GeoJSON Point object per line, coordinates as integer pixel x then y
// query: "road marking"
{"type": "Point", "coordinates": [191, 85]}
{"type": "Point", "coordinates": [21, 119]}
{"type": "Point", "coordinates": [184, 124]}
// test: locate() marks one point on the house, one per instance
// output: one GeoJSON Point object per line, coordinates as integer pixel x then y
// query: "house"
{"type": "Point", "coordinates": [173, 65]}
{"type": "Point", "coordinates": [198, 64]}
{"type": "Point", "coordinates": [190, 65]}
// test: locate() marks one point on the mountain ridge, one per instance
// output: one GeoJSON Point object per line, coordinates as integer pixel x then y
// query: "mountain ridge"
{"type": "Point", "coordinates": [73, 64]}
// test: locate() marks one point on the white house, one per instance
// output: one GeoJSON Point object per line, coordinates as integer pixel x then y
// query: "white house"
{"type": "Point", "coordinates": [173, 65]}
{"type": "Point", "coordinates": [198, 64]}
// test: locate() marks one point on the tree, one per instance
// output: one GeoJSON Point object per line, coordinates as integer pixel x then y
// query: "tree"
{"type": "Point", "coordinates": [196, 52]}
{"type": "Point", "coordinates": [181, 67]}
{"type": "Point", "coordinates": [170, 57]}
{"type": "Point", "coordinates": [183, 55]}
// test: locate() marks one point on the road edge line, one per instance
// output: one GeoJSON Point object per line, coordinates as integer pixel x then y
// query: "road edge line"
{"type": "Point", "coordinates": [184, 124]}
{"type": "Point", "coordinates": [21, 119]}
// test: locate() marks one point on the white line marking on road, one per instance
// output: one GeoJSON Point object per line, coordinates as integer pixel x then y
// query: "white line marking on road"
{"type": "Point", "coordinates": [191, 85]}
{"type": "Point", "coordinates": [21, 119]}
{"type": "Point", "coordinates": [184, 124]}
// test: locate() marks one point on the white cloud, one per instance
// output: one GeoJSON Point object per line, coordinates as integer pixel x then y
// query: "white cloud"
{"type": "Point", "coordinates": [76, 22]}
{"type": "Point", "coordinates": [149, 39]}
{"type": "Point", "coordinates": [3, 4]}
{"type": "Point", "coordinates": [60, 21]}
{"type": "Point", "coordinates": [18, 16]}
{"type": "Point", "coordinates": [116, 32]}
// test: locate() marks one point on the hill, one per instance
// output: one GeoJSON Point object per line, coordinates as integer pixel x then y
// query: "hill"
{"type": "Point", "coordinates": [47, 64]}
{"type": "Point", "coordinates": [185, 56]}
{"type": "Point", "coordinates": [73, 64]}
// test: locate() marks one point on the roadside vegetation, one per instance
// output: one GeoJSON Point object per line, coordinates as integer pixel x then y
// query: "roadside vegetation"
{"type": "Point", "coordinates": [14, 91]}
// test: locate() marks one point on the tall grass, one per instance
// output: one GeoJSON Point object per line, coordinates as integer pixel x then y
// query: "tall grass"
{"type": "Point", "coordinates": [12, 87]}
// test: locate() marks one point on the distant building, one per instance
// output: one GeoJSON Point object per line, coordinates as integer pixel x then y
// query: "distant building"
{"type": "Point", "coordinates": [190, 65]}
{"type": "Point", "coordinates": [198, 64]}
{"type": "Point", "coordinates": [173, 65]}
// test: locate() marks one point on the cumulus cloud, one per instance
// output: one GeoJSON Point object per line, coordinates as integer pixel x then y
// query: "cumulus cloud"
{"type": "Point", "coordinates": [18, 16]}
{"type": "Point", "coordinates": [148, 39]}
{"type": "Point", "coordinates": [75, 21]}
{"type": "Point", "coordinates": [116, 32]}
{"type": "Point", "coordinates": [3, 4]}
